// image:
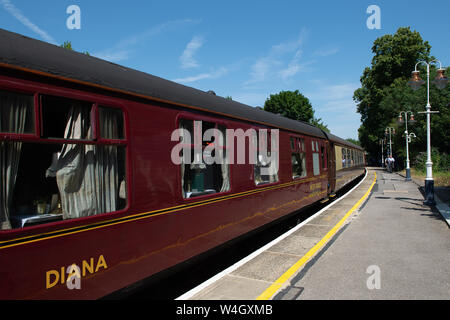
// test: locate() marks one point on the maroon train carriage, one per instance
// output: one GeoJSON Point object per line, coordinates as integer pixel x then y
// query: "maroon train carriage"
{"type": "Point", "coordinates": [90, 200]}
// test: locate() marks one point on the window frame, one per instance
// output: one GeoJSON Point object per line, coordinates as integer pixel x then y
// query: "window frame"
{"type": "Point", "coordinates": [299, 148]}
{"type": "Point", "coordinates": [218, 122]}
{"type": "Point", "coordinates": [37, 91]}
{"type": "Point", "coordinates": [269, 146]}
{"type": "Point", "coordinates": [12, 136]}
{"type": "Point", "coordinates": [315, 148]}
{"type": "Point", "coordinates": [323, 156]}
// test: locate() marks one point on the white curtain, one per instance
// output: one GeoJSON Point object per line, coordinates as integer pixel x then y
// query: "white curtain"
{"type": "Point", "coordinates": [87, 175]}
{"type": "Point", "coordinates": [186, 139]}
{"type": "Point", "coordinates": [13, 113]}
{"type": "Point", "coordinates": [225, 165]}
{"type": "Point", "coordinates": [273, 169]}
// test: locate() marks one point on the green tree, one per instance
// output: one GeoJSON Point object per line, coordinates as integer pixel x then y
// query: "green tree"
{"type": "Point", "coordinates": [318, 123]}
{"type": "Point", "coordinates": [354, 141]}
{"type": "Point", "coordinates": [294, 105]}
{"type": "Point", "coordinates": [384, 91]}
{"type": "Point", "coordinates": [68, 45]}
{"type": "Point", "coordinates": [400, 97]}
{"type": "Point", "coordinates": [290, 104]}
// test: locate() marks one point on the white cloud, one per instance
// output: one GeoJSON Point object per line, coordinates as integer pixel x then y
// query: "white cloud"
{"type": "Point", "coordinates": [261, 69]}
{"type": "Point", "coordinates": [187, 58]}
{"type": "Point", "coordinates": [326, 52]}
{"type": "Point", "coordinates": [274, 63]}
{"type": "Point", "coordinates": [290, 46]}
{"type": "Point", "coordinates": [124, 48]}
{"type": "Point", "coordinates": [210, 75]}
{"type": "Point", "coordinates": [16, 13]}
{"type": "Point", "coordinates": [293, 68]}
{"type": "Point", "coordinates": [334, 92]}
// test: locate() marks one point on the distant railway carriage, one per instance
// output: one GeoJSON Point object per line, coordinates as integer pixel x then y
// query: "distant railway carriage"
{"type": "Point", "coordinates": [91, 201]}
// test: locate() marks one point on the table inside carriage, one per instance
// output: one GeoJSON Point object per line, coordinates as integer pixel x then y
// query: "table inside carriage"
{"type": "Point", "coordinates": [21, 221]}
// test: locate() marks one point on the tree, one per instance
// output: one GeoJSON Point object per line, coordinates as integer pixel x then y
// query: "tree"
{"type": "Point", "coordinates": [290, 104]}
{"type": "Point", "coordinates": [293, 105]}
{"type": "Point", "coordinates": [384, 91]}
{"type": "Point", "coordinates": [68, 45]}
{"type": "Point", "coordinates": [318, 123]}
{"type": "Point", "coordinates": [353, 141]}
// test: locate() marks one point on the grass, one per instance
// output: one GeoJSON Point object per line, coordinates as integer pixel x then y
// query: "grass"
{"type": "Point", "coordinates": [441, 178]}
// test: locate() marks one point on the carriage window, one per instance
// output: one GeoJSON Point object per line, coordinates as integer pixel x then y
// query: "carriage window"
{"type": "Point", "coordinates": [111, 123]}
{"type": "Point", "coordinates": [324, 157]}
{"type": "Point", "coordinates": [16, 113]}
{"type": "Point", "coordinates": [203, 171]}
{"type": "Point", "coordinates": [349, 158]}
{"type": "Point", "coordinates": [265, 169]}
{"type": "Point", "coordinates": [316, 158]}
{"type": "Point", "coordinates": [298, 158]}
{"type": "Point", "coordinates": [70, 179]}
{"type": "Point", "coordinates": [344, 156]}
{"type": "Point", "coordinates": [58, 112]}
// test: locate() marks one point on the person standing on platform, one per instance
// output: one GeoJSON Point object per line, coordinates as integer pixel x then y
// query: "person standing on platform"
{"type": "Point", "coordinates": [391, 163]}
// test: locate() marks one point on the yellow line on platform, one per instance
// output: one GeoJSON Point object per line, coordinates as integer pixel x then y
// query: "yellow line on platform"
{"type": "Point", "coordinates": [270, 291]}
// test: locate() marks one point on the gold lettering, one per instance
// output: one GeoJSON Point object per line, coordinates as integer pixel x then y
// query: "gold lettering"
{"type": "Point", "coordinates": [89, 267]}
{"type": "Point", "coordinates": [63, 275]}
{"type": "Point", "coordinates": [53, 277]}
{"type": "Point", "coordinates": [101, 263]}
{"type": "Point", "coordinates": [73, 271]}
{"type": "Point", "coordinates": [314, 186]}
{"type": "Point", "coordinates": [49, 283]}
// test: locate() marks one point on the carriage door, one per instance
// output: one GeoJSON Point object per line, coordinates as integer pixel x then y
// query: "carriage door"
{"type": "Point", "coordinates": [331, 167]}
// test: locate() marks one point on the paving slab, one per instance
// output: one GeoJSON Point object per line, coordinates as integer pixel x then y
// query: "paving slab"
{"type": "Point", "coordinates": [395, 242]}
{"type": "Point", "coordinates": [268, 266]}
{"type": "Point", "coordinates": [232, 288]}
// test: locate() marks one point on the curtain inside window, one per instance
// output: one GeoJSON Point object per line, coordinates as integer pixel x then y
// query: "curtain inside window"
{"type": "Point", "coordinates": [14, 110]}
{"type": "Point", "coordinates": [186, 139]}
{"type": "Point", "coordinates": [273, 170]}
{"type": "Point", "coordinates": [225, 167]}
{"type": "Point", "coordinates": [87, 175]}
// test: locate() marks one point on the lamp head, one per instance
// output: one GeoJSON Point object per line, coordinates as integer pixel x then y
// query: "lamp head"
{"type": "Point", "coordinates": [415, 81]}
{"type": "Point", "coordinates": [441, 80]}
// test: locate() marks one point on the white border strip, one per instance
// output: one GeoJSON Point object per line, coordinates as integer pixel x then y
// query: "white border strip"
{"type": "Point", "coordinates": [200, 287]}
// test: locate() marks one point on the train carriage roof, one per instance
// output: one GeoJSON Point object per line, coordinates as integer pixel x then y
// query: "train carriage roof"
{"type": "Point", "coordinates": [342, 142]}
{"type": "Point", "coordinates": [23, 53]}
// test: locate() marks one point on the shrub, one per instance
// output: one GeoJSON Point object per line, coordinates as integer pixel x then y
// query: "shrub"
{"type": "Point", "coordinates": [441, 161]}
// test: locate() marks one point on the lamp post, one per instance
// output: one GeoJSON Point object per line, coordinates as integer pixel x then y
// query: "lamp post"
{"type": "Point", "coordinates": [382, 142]}
{"type": "Point", "coordinates": [390, 131]}
{"type": "Point", "coordinates": [415, 84]}
{"type": "Point", "coordinates": [408, 139]}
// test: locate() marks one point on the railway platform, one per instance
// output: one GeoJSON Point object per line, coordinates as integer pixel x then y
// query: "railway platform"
{"type": "Point", "coordinates": [377, 242]}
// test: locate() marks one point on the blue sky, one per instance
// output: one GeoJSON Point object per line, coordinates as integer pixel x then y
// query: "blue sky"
{"type": "Point", "coordinates": [244, 49]}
